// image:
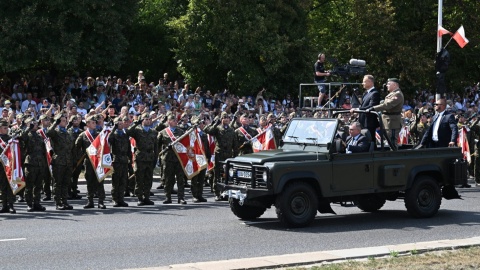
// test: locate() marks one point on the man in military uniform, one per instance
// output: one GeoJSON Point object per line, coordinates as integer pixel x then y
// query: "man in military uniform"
{"type": "Point", "coordinates": [62, 144]}
{"type": "Point", "coordinates": [244, 134]}
{"type": "Point", "coordinates": [5, 190]}
{"type": "Point", "coordinates": [77, 156]}
{"type": "Point", "coordinates": [35, 162]}
{"type": "Point", "coordinates": [199, 180]}
{"type": "Point", "coordinates": [225, 146]}
{"type": "Point", "coordinates": [82, 143]}
{"type": "Point", "coordinates": [419, 127]}
{"type": "Point", "coordinates": [145, 157]}
{"type": "Point", "coordinates": [17, 128]}
{"type": "Point", "coordinates": [47, 174]}
{"type": "Point", "coordinates": [172, 168]}
{"type": "Point", "coordinates": [391, 110]}
{"type": "Point", "coordinates": [277, 134]}
{"type": "Point", "coordinates": [120, 150]}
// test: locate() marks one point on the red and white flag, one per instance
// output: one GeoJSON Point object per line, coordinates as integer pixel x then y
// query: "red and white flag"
{"type": "Point", "coordinates": [403, 136]}
{"type": "Point", "coordinates": [133, 144]}
{"type": "Point", "coordinates": [462, 141]}
{"type": "Point", "coordinates": [190, 153]}
{"type": "Point", "coordinates": [48, 146]}
{"type": "Point", "coordinates": [211, 145]}
{"type": "Point", "coordinates": [460, 38]}
{"type": "Point", "coordinates": [264, 140]}
{"type": "Point", "coordinates": [99, 154]}
{"type": "Point", "coordinates": [442, 31]}
{"type": "Point", "coordinates": [11, 159]}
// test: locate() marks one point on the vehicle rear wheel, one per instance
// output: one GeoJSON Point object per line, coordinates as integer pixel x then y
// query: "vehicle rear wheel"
{"type": "Point", "coordinates": [423, 199]}
{"type": "Point", "coordinates": [297, 205]}
{"type": "Point", "coordinates": [370, 203]}
{"type": "Point", "coordinates": [246, 212]}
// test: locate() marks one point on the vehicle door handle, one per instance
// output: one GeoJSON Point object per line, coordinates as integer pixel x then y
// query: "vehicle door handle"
{"type": "Point", "coordinates": [367, 167]}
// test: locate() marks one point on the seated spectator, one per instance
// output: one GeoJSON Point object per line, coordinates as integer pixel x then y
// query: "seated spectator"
{"type": "Point", "coordinates": [356, 142]}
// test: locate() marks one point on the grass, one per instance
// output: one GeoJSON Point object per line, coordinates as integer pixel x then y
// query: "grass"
{"type": "Point", "coordinates": [467, 258]}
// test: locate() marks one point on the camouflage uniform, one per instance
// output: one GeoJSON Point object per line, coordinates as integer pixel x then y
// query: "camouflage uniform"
{"type": "Point", "coordinates": [120, 150]}
{"type": "Point", "coordinates": [242, 141]}
{"type": "Point", "coordinates": [47, 175]}
{"type": "Point", "coordinates": [391, 110]}
{"type": "Point", "coordinates": [418, 130]}
{"type": "Point", "coordinates": [62, 143]}
{"type": "Point", "coordinates": [77, 168]}
{"type": "Point", "coordinates": [145, 157]}
{"type": "Point", "coordinates": [35, 162]}
{"type": "Point", "coordinates": [172, 168]}
{"type": "Point", "coordinates": [225, 145]}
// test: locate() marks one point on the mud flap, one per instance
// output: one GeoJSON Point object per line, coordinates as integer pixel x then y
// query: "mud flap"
{"type": "Point", "coordinates": [325, 208]}
{"type": "Point", "coordinates": [449, 192]}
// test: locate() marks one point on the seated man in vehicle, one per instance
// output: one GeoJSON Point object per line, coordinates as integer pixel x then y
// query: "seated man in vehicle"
{"type": "Point", "coordinates": [356, 142]}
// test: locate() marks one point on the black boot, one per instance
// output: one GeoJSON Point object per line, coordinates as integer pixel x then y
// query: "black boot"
{"type": "Point", "coordinates": [4, 209]}
{"type": "Point", "coordinates": [67, 206]}
{"type": "Point", "coordinates": [47, 198]}
{"type": "Point", "coordinates": [30, 207]}
{"type": "Point", "coordinates": [101, 205]}
{"type": "Point", "coordinates": [89, 204]}
{"type": "Point", "coordinates": [11, 209]}
{"type": "Point", "coordinates": [60, 206]}
{"type": "Point", "coordinates": [147, 201]}
{"type": "Point", "coordinates": [38, 207]}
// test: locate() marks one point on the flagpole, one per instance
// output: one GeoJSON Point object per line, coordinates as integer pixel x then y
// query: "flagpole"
{"type": "Point", "coordinates": [439, 38]}
{"type": "Point", "coordinates": [448, 42]}
{"type": "Point", "coordinates": [179, 138]}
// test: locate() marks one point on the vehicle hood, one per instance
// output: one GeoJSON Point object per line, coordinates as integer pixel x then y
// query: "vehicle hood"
{"type": "Point", "coordinates": [279, 155]}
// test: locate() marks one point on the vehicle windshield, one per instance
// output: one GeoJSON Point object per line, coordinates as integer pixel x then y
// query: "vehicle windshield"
{"type": "Point", "coordinates": [312, 131]}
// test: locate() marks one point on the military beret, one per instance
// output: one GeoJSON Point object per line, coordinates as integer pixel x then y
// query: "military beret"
{"type": "Point", "coordinates": [3, 123]}
{"type": "Point", "coordinates": [44, 117]}
{"type": "Point", "coordinates": [393, 80]}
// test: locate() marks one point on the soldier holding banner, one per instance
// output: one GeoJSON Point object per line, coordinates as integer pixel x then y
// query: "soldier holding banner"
{"type": "Point", "coordinates": [94, 186]}
{"type": "Point", "coordinates": [145, 157]}
{"type": "Point", "coordinates": [6, 192]}
{"type": "Point", "coordinates": [199, 179]}
{"type": "Point", "coordinates": [120, 149]}
{"type": "Point", "coordinates": [225, 145]}
{"type": "Point", "coordinates": [35, 162]}
{"type": "Point", "coordinates": [244, 135]}
{"type": "Point", "coordinates": [62, 144]}
{"type": "Point", "coordinates": [172, 168]}
{"type": "Point", "coordinates": [47, 174]}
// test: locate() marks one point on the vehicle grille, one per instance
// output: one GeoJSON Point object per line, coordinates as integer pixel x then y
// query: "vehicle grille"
{"type": "Point", "coordinates": [241, 173]}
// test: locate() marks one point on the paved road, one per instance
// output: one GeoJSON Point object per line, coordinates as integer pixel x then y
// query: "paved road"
{"type": "Point", "coordinates": [161, 235]}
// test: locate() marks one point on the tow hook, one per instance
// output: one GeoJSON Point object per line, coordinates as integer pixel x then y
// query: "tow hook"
{"type": "Point", "coordinates": [237, 194]}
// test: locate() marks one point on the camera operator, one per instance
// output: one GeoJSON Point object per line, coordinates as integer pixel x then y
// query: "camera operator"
{"type": "Point", "coordinates": [320, 77]}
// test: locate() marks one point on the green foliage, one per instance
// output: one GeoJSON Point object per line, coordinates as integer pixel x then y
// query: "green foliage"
{"type": "Point", "coordinates": [243, 45]}
{"type": "Point", "coordinates": [63, 34]}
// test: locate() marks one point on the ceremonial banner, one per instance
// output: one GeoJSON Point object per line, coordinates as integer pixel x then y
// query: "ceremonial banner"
{"type": "Point", "coordinates": [462, 141]}
{"type": "Point", "coordinates": [264, 140]}
{"type": "Point", "coordinates": [133, 144]}
{"type": "Point", "coordinates": [403, 136]}
{"type": "Point", "coordinates": [211, 145]}
{"type": "Point", "coordinates": [48, 146]}
{"type": "Point", "coordinates": [99, 154]}
{"type": "Point", "coordinates": [12, 163]}
{"type": "Point", "coordinates": [190, 152]}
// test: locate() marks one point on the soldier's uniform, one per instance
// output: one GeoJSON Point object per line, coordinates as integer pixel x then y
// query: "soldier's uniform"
{"type": "Point", "coordinates": [47, 174]}
{"type": "Point", "coordinates": [16, 130]}
{"type": "Point", "coordinates": [5, 190]}
{"type": "Point", "coordinates": [172, 168]}
{"type": "Point", "coordinates": [62, 144]}
{"type": "Point", "coordinates": [244, 134]}
{"type": "Point", "coordinates": [82, 143]}
{"type": "Point", "coordinates": [225, 145]}
{"type": "Point", "coordinates": [145, 157]}
{"type": "Point", "coordinates": [120, 150]}
{"type": "Point", "coordinates": [77, 154]}
{"type": "Point", "coordinates": [391, 110]}
{"type": "Point", "coordinates": [35, 162]}
{"type": "Point", "coordinates": [199, 179]}
{"type": "Point", "coordinates": [418, 130]}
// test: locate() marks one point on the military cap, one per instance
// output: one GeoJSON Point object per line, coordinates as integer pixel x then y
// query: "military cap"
{"type": "Point", "coordinates": [223, 115]}
{"type": "Point", "coordinates": [111, 106]}
{"type": "Point", "coordinates": [263, 118]}
{"type": "Point", "coordinates": [20, 115]}
{"type": "Point", "coordinates": [72, 118]}
{"type": "Point", "coordinates": [91, 118]}
{"type": "Point", "coordinates": [117, 119]}
{"type": "Point", "coordinates": [30, 120]}
{"type": "Point", "coordinates": [43, 117]}
{"type": "Point", "coordinates": [393, 80]}
{"type": "Point", "coordinates": [171, 116]}
{"type": "Point", "coordinates": [125, 118]}
{"type": "Point", "coordinates": [244, 115]}
{"type": "Point", "coordinates": [57, 116]}
{"type": "Point", "coordinates": [145, 116]}
{"type": "Point", "coordinates": [3, 123]}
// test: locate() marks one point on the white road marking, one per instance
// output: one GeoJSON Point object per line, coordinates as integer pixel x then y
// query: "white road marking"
{"type": "Point", "coordinates": [13, 239]}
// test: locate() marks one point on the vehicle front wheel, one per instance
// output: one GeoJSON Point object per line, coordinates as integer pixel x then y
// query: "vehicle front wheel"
{"type": "Point", "coordinates": [297, 205]}
{"type": "Point", "coordinates": [370, 203]}
{"type": "Point", "coordinates": [423, 199]}
{"type": "Point", "coordinates": [245, 212]}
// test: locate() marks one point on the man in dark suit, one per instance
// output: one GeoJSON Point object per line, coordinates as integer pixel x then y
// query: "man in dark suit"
{"type": "Point", "coordinates": [443, 131]}
{"type": "Point", "coordinates": [356, 142]}
{"type": "Point", "coordinates": [370, 98]}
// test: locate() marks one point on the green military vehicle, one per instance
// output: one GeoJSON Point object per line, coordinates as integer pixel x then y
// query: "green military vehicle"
{"type": "Point", "coordinates": [310, 172]}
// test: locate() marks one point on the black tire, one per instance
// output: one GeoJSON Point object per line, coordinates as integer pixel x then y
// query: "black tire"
{"type": "Point", "coordinates": [245, 212]}
{"type": "Point", "coordinates": [423, 199]}
{"type": "Point", "coordinates": [370, 203]}
{"type": "Point", "coordinates": [297, 205]}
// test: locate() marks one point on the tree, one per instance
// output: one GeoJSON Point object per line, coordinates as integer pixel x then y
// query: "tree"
{"type": "Point", "coordinates": [243, 45]}
{"type": "Point", "coordinates": [63, 35]}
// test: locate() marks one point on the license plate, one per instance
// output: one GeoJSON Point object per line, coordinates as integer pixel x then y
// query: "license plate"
{"type": "Point", "coordinates": [244, 174]}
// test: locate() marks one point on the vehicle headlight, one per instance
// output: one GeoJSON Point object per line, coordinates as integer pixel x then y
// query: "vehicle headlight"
{"type": "Point", "coordinates": [265, 176]}
{"type": "Point", "coordinates": [230, 172]}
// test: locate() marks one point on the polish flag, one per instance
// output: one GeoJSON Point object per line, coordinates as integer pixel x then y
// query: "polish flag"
{"type": "Point", "coordinates": [460, 38]}
{"type": "Point", "coordinates": [442, 31]}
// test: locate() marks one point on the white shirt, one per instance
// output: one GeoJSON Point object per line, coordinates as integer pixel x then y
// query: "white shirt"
{"type": "Point", "coordinates": [435, 127]}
